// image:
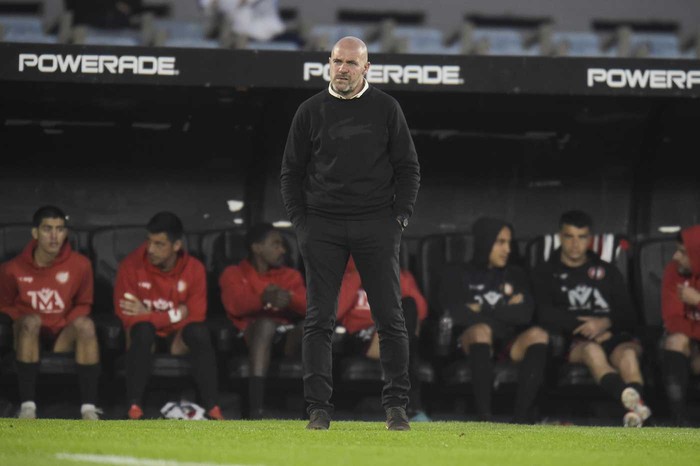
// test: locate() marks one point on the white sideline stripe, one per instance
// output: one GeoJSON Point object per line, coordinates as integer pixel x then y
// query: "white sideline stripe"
{"type": "Point", "coordinates": [133, 461]}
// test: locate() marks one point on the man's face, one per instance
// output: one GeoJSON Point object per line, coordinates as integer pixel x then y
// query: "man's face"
{"type": "Point", "coordinates": [50, 235]}
{"type": "Point", "coordinates": [682, 259]}
{"type": "Point", "coordinates": [162, 252]}
{"type": "Point", "coordinates": [574, 242]}
{"type": "Point", "coordinates": [271, 250]}
{"type": "Point", "coordinates": [501, 249]}
{"type": "Point", "coordinates": [348, 66]}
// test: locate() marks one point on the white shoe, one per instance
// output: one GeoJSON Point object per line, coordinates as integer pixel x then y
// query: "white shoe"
{"type": "Point", "coordinates": [27, 410]}
{"type": "Point", "coordinates": [632, 419]}
{"type": "Point", "coordinates": [90, 413]}
{"type": "Point", "coordinates": [633, 401]}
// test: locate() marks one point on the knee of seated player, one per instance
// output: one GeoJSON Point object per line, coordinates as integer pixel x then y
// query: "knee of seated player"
{"type": "Point", "coordinates": [84, 328]}
{"type": "Point", "coordinates": [593, 354]}
{"type": "Point", "coordinates": [29, 326]}
{"type": "Point", "coordinates": [626, 353]}
{"type": "Point", "coordinates": [479, 333]}
{"type": "Point", "coordinates": [535, 335]}
{"type": "Point", "coordinates": [677, 342]}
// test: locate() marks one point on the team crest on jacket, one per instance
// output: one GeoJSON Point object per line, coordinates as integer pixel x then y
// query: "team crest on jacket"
{"type": "Point", "coordinates": [596, 273]}
{"type": "Point", "coordinates": [63, 277]}
{"type": "Point", "coordinates": [507, 289]}
{"type": "Point", "coordinates": [181, 286]}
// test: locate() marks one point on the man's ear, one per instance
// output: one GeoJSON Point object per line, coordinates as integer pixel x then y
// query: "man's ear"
{"type": "Point", "coordinates": [35, 233]}
{"type": "Point", "coordinates": [177, 245]}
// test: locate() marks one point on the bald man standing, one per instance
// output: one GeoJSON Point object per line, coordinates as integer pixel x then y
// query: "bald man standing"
{"type": "Point", "coordinates": [349, 180]}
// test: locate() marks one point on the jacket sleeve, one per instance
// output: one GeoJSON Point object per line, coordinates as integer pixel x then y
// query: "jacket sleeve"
{"type": "Point", "coordinates": [548, 315]}
{"type": "Point", "coordinates": [347, 298]}
{"type": "Point", "coordinates": [240, 296]}
{"type": "Point", "coordinates": [672, 308]}
{"type": "Point", "coordinates": [521, 313]}
{"type": "Point", "coordinates": [409, 289]}
{"type": "Point", "coordinates": [8, 293]}
{"type": "Point", "coordinates": [196, 300]}
{"type": "Point", "coordinates": [296, 156]}
{"type": "Point", "coordinates": [83, 298]}
{"type": "Point", "coordinates": [126, 283]}
{"type": "Point", "coordinates": [454, 296]}
{"type": "Point", "coordinates": [404, 160]}
{"type": "Point", "coordinates": [623, 315]}
{"type": "Point", "coordinates": [298, 290]}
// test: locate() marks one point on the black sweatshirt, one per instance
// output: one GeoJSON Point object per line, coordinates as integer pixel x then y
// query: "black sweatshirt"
{"type": "Point", "coordinates": [597, 289]}
{"type": "Point", "coordinates": [464, 284]}
{"type": "Point", "coordinates": [351, 159]}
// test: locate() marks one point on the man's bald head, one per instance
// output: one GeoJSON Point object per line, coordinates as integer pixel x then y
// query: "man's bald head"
{"type": "Point", "coordinates": [351, 44]}
{"type": "Point", "coordinates": [349, 64]}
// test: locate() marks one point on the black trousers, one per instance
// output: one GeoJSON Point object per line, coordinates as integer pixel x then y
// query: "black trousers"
{"type": "Point", "coordinates": [326, 245]}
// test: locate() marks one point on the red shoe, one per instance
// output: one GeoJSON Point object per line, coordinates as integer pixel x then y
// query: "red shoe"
{"type": "Point", "coordinates": [215, 414]}
{"type": "Point", "coordinates": [135, 412]}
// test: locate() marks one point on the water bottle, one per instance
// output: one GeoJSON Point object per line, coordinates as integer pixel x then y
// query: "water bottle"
{"type": "Point", "coordinates": [444, 337]}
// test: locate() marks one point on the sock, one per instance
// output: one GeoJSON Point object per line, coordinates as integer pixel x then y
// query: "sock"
{"type": "Point", "coordinates": [482, 378]}
{"type": "Point", "coordinates": [86, 407]}
{"type": "Point", "coordinates": [530, 375]}
{"type": "Point", "coordinates": [675, 376]}
{"type": "Point", "coordinates": [26, 380]}
{"type": "Point", "coordinates": [613, 384]}
{"type": "Point", "coordinates": [88, 375]}
{"type": "Point", "coordinates": [256, 389]}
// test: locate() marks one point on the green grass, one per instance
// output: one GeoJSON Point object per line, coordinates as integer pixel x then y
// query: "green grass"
{"type": "Point", "coordinates": [287, 443]}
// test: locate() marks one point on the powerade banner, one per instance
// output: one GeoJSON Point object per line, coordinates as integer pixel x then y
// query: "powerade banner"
{"type": "Point", "coordinates": [310, 70]}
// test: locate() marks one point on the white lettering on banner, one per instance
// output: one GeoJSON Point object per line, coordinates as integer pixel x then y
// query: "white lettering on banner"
{"type": "Point", "coordinates": [47, 301]}
{"type": "Point", "coordinates": [398, 74]}
{"type": "Point", "coordinates": [158, 305]}
{"type": "Point", "coordinates": [619, 78]}
{"type": "Point", "coordinates": [98, 64]}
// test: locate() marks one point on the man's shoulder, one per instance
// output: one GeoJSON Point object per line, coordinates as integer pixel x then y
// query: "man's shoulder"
{"type": "Point", "coordinates": [314, 100]}
{"type": "Point", "coordinates": [380, 96]}
{"type": "Point", "coordinates": [80, 260]}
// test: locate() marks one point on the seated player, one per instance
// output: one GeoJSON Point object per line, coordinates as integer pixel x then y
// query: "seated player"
{"type": "Point", "coordinates": [585, 299]}
{"type": "Point", "coordinates": [47, 291]}
{"type": "Point", "coordinates": [492, 307]}
{"type": "Point", "coordinates": [263, 298]}
{"type": "Point", "coordinates": [680, 306]}
{"type": "Point", "coordinates": [161, 297]}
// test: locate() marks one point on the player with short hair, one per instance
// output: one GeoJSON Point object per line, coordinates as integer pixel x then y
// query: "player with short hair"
{"type": "Point", "coordinates": [586, 300]}
{"type": "Point", "coordinates": [263, 297]}
{"type": "Point", "coordinates": [160, 295]}
{"type": "Point", "coordinates": [47, 291]}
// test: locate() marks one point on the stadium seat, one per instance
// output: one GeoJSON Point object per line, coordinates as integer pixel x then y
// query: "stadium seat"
{"type": "Point", "coordinates": [576, 43]}
{"type": "Point", "coordinates": [182, 33]}
{"type": "Point", "coordinates": [655, 45]}
{"type": "Point", "coordinates": [286, 45]}
{"type": "Point", "coordinates": [26, 29]}
{"type": "Point", "coordinates": [500, 41]}
{"type": "Point", "coordinates": [86, 35]}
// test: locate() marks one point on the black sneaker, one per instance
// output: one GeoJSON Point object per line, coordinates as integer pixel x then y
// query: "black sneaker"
{"type": "Point", "coordinates": [396, 419]}
{"type": "Point", "coordinates": [319, 419]}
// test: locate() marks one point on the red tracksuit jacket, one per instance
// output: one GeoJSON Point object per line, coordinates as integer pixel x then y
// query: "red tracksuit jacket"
{"type": "Point", "coordinates": [161, 291]}
{"type": "Point", "coordinates": [678, 316]}
{"type": "Point", "coordinates": [59, 293]}
{"type": "Point", "coordinates": [353, 308]}
{"type": "Point", "coordinates": [242, 288]}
